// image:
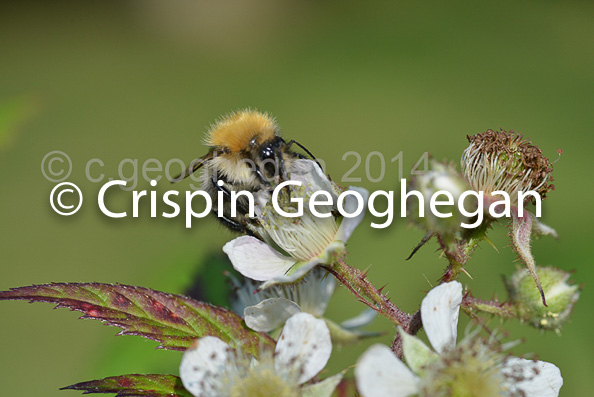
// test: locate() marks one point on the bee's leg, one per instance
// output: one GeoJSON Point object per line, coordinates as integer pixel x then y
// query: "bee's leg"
{"type": "Point", "coordinates": [265, 182]}
{"type": "Point", "coordinates": [287, 189]}
{"type": "Point", "coordinates": [281, 172]}
{"type": "Point", "coordinates": [226, 221]}
{"type": "Point", "coordinates": [241, 208]}
{"type": "Point", "coordinates": [221, 188]}
{"type": "Point", "coordinates": [240, 227]}
{"type": "Point", "coordinates": [232, 224]}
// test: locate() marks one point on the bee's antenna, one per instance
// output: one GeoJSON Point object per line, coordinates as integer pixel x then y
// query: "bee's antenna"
{"type": "Point", "coordinates": [292, 141]}
{"type": "Point", "coordinates": [194, 166]}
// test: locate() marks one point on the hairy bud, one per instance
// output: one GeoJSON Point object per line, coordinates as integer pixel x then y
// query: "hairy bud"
{"type": "Point", "coordinates": [561, 297]}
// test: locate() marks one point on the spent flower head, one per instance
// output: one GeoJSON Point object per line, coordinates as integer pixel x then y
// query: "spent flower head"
{"type": "Point", "coordinates": [474, 367]}
{"type": "Point", "coordinates": [505, 161]}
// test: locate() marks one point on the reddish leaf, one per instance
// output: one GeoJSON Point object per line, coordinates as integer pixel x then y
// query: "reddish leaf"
{"type": "Point", "coordinates": [135, 385]}
{"type": "Point", "coordinates": [172, 320]}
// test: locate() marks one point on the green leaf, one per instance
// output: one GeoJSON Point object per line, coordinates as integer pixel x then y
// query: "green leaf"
{"type": "Point", "coordinates": [172, 320]}
{"type": "Point", "coordinates": [135, 385]}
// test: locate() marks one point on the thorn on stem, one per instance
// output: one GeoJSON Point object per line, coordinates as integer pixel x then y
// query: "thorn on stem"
{"type": "Point", "coordinates": [423, 241]}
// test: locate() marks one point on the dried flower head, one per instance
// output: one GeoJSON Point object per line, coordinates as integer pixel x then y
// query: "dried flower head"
{"type": "Point", "coordinates": [506, 161]}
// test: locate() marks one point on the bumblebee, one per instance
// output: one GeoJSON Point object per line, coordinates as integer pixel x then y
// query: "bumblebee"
{"type": "Point", "coordinates": [246, 154]}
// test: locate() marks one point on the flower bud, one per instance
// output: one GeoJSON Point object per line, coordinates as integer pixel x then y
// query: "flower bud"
{"type": "Point", "coordinates": [560, 295]}
{"type": "Point", "coordinates": [505, 161]}
{"type": "Point", "coordinates": [445, 179]}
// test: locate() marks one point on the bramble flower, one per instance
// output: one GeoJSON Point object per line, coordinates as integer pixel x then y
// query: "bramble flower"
{"type": "Point", "coordinates": [268, 309]}
{"type": "Point", "coordinates": [561, 297]}
{"type": "Point", "coordinates": [311, 294]}
{"type": "Point", "coordinates": [474, 367]}
{"type": "Point", "coordinates": [502, 161]}
{"type": "Point", "coordinates": [295, 245]}
{"type": "Point", "coordinates": [212, 369]}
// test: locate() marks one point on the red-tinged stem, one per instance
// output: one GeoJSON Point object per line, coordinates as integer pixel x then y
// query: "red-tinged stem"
{"type": "Point", "coordinates": [358, 284]}
{"type": "Point", "coordinates": [413, 327]}
{"type": "Point", "coordinates": [471, 305]}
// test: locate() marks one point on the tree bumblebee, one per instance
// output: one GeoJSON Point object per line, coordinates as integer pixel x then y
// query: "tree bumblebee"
{"type": "Point", "coordinates": [246, 154]}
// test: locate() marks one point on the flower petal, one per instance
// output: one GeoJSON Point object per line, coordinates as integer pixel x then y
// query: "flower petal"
{"type": "Point", "coordinates": [541, 379]}
{"type": "Point", "coordinates": [361, 320]}
{"type": "Point", "coordinates": [348, 225]}
{"type": "Point", "coordinates": [439, 312]}
{"type": "Point", "coordinates": [203, 365]}
{"type": "Point", "coordinates": [324, 388]}
{"type": "Point", "coordinates": [255, 259]}
{"type": "Point", "coordinates": [343, 336]}
{"type": "Point", "coordinates": [311, 175]}
{"type": "Point", "coordinates": [315, 290]}
{"type": "Point", "coordinates": [269, 314]}
{"type": "Point", "coordinates": [297, 273]}
{"type": "Point", "coordinates": [379, 373]}
{"type": "Point", "coordinates": [304, 347]}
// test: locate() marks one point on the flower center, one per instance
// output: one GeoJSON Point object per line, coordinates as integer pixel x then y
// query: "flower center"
{"type": "Point", "coordinates": [261, 380]}
{"type": "Point", "coordinates": [471, 369]}
{"type": "Point", "coordinates": [303, 238]}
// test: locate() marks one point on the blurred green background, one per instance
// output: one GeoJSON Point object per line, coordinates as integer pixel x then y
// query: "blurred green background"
{"type": "Point", "coordinates": [119, 80]}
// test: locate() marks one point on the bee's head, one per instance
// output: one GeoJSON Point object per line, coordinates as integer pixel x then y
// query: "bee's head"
{"type": "Point", "coordinates": [270, 158]}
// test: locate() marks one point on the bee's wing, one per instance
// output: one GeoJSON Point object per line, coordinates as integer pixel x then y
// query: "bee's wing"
{"type": "Point", "coordinates": [194, 166]}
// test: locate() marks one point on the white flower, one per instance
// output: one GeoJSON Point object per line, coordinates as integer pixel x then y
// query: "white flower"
{"type": "Point", "coordinates": [268, 309]}
{"type": "Point", "coordinates": [212, 369]}
{"type": "Point", "coordinates": [265, 310]}
{"type": "Point", "coordinates": [294, 245]}
{"type": "Point", "coordinates": [471, 368]}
